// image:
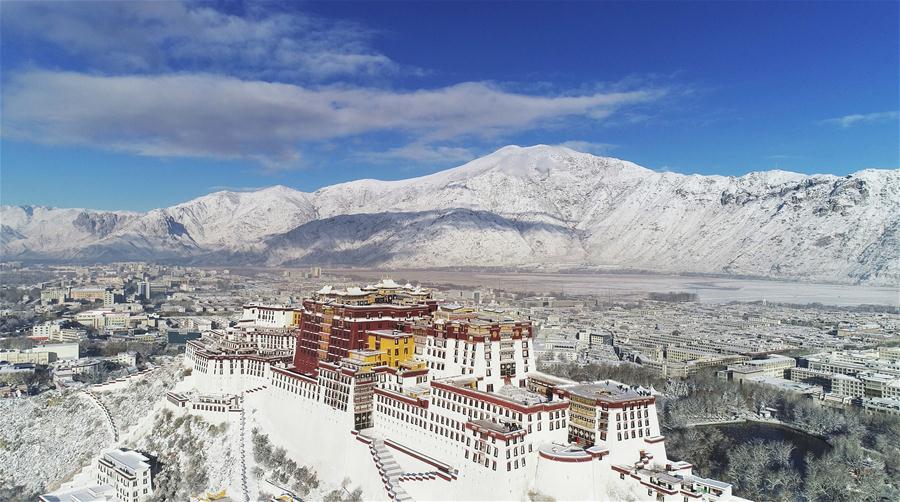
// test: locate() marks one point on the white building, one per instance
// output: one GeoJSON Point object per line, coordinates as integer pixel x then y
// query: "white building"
{"type": "Point", "coordinates": [267, 316]}
{"type": "Point", "coordinates": [63, 351]}
{"type": "Point", "coordinates": [122, 476]}
{"type": "Point", "coordinates": [467, 418]}
{"type": "Point", "coordinates": [128, 472]}
{"type": "Point", "coordinates": [54, 295]}
{"type": "Point", "coordinates": [45, 329]}
{"type": "Point", "coordinates": [93, 493]}
{"type": "Point", "coordinates": [109, 318]}
{"type": "Point", "coordinates": [54, 332]}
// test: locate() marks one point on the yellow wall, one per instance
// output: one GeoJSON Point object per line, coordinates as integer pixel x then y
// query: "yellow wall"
{"type": "Point", "coordinates": [395, 349]}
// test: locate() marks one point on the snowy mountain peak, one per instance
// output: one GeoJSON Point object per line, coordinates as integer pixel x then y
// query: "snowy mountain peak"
{"type": "Point", "coordinates": [516, 207]}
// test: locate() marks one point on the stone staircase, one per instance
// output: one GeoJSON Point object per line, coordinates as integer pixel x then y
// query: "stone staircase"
{"type": "Point", "coordinates": [243, 438]}
{"type": "Point", "coordinates": [106, 413]}
{"type": "Point", "coordinates": [389, 469]}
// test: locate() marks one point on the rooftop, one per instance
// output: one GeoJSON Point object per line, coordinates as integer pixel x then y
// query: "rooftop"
{"type": "Point", "coordinates": [128, 458]}
{"type": "Point", "coordinates": [502, 428]}
{"type": "Point", "coordinates": [92, 493]}
{"type": "Point", "coordinates": [392, 333]}
{"type": "Point", "coordinates": [609, 390]}
{"type": "Point", "coordinates": [521, 395]}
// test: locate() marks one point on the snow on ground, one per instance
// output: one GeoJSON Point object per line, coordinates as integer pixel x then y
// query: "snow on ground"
{"type": "Point", "coordinates": [135, 401]}
{"type": "Point", "coordinates": [53, 440]}
{"type": "Point", "coordinates": [196, 456]}
{"type": "Point", "coordinates": [47, 439]}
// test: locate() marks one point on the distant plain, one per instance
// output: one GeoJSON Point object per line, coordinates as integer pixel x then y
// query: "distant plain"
{"type": "Point", "coordinates": [634, 285]}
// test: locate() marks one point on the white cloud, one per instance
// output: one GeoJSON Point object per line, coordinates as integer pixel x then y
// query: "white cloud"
{"type": "Point", "coordinates": [861, 119]}
{"type": "Point", "coordinates": [162, 36]}
{"type": "Point", "coordinates": [589, 146]}
{"type": "Point", "coordinates": [420, 153]}
{"type": "Point", "coordinates": [206, 115]}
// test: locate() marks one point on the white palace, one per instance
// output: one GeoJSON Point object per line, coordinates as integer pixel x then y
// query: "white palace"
{"type": "Point", "coordinates": [415, 401]}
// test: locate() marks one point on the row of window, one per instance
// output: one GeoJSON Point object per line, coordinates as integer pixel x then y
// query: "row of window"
{"type": "Point", "coordinates": [493, 463]}
{"type": "Point", "coordinates": [624, 425]}
{"type": "Point", "coordinates": [296, 386]}
{"type": "Point", "coordinates": [416, 416]}
{"type": "Point", "coordinates": [624, 435]}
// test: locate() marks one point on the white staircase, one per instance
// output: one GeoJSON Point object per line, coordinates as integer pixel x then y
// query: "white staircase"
{"type": "Point", "coordinates": [389, 469]}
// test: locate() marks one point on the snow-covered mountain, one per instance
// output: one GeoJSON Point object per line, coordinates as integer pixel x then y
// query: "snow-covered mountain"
{"type": "Point", "coordinates": [517, 207]}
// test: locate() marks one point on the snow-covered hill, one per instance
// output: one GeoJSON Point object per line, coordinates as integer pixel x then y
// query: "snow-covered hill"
{"type": "Point", "coordinates": [517, 207]}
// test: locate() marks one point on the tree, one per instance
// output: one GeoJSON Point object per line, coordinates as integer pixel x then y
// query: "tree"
{"type": "Point", "coordinates": [763, 471]}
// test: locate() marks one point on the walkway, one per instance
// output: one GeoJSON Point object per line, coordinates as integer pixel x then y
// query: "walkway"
{"type": "Point", "coordinates": [106, 413]}
{"type": "Point", "coordinates": [243, 441]}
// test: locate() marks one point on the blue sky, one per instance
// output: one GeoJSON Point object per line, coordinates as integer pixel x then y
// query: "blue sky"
{"type": "Point", "coordinates": [136, 105]}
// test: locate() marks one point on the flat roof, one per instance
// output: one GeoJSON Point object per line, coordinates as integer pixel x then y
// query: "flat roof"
{"type": "Point", "coordinates": [521, 395]}
{"type": "Point", "coordinates": [90, 493]}
{"type": "Point", "coordinates": [709, 482]}
{"type": "Point", "coordinates": [502, 428]}
{"type": "Point", "coordinates": [393, 333]}
{"type": "Point", "coordinates": [129, 458]}
{"type": "Point", "coordinates": [662, 476]}
{"type": "Point", "coordinates": [607, 389]}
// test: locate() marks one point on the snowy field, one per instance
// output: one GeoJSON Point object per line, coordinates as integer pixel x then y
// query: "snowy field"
{"type": "Point", "coordinates": [618, 285]}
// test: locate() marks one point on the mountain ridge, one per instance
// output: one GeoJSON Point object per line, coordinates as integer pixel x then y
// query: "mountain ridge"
{"type": "Point", "coordinates": [516, 207]}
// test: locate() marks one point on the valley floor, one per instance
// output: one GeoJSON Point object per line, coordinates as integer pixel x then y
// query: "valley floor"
{"type": "Point", "coordinates": [618, 285]}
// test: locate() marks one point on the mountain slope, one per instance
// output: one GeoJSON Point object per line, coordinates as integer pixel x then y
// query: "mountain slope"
{"type": "Point", "coordinates": [43, 232]}
{"type": "Point", "coordinates": [518, 207]}
{"type": "Point", "coordinates": [460, 237]}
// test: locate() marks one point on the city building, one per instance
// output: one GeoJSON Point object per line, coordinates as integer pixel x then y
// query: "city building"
{"type": "Point", "coordinates": [53, 331]}
{"type": "Point", "coordinates": [88, 294]}
{"type": "Point", "coordinates": [772, 366]}
{"type": "Point", "coordinates": [867, 378]}
{"type": "Point", "coordinates": [108, 318]}
{"type": "Point", "coordinates": [63, 351]}
{"type": "Point", "coordinates": [51, 296]}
